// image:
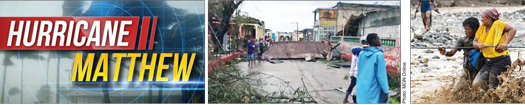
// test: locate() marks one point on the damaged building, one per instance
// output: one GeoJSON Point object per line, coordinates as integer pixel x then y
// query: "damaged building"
{"type": "Point", "coordinates": [349, 19]}
{"type": "Point", "coordinates": [340, 28]}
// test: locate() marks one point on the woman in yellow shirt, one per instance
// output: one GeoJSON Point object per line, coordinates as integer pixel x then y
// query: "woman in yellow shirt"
{"type": "Point", "coordinates": [493, 32]}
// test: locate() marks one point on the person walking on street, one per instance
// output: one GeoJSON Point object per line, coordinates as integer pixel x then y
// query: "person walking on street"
{"type": "Point", "coordinates": [262, 45]}
{"type": "Point", "coordinates": [426, 12]}
{"type": "Point", "coordinates": [493, 32]}
{"type": "Point", "coordinates": [251, 52]}
{"type": "Point", "coordinates": [353, 70]}
{"type": "Point", "coordinates": [372, 85]}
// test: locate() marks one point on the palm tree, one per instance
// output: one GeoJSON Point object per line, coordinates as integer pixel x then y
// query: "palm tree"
{"type": "Point", "coordinates": [6, 62]}
{"type": "Point", "coordinates": [69, 54]}
{"type": "Point", "coordinates": [30, 54]}
{"type": "Point", "coordinates": [68, 9]}
{"type": "Point", "coordinates": [50, 55]}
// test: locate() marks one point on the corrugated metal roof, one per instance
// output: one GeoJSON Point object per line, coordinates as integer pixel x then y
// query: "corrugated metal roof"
{"type": "Point", "coordinates": [287, 50]}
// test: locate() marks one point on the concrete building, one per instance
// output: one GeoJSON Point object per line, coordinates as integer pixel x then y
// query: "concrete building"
{"type": "Point", "coordinates": [251, 30]}
{"type": "Point", "coordinates": [346, 10]}
{"type": "Point", "coordinates": [308, 35]}
{"type": "Point", "coordinates": [385, 23]}
{"type": "Point", "coordinates": [332, 21]}
{"type": "Point", "coordinates": [283, 36]}
{"type": "Point", "coordinates": [267, 33]}
{"type": "Point", "coordinates": [325, 23]}
{"type": "Point", "coordinates": [297, 35]}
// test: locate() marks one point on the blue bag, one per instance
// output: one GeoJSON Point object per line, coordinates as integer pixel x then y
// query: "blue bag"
{"type": "Point", "coordinates": [476, 59]}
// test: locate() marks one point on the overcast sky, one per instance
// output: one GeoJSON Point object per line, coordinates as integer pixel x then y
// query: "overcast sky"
{"type": "Point", "coordinates": [279, 15]}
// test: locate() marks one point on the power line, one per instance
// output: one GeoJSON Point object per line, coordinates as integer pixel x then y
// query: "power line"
{"type": "Point", "coordinates": [256, 6]}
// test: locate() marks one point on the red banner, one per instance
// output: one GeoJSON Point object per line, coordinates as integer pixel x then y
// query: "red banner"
{"type": "Point", "coordinates": [69, 33]}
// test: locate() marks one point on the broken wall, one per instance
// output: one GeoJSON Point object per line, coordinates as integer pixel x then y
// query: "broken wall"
{"type": "Point", "coordinates": [386, 24]}
{"type": "Point", "coordinates": [344, 12]}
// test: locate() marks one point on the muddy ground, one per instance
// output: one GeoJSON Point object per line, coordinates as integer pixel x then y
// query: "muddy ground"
{"type": "Point", "coordinates": [321, 80]}
{"type": "Point", "coordinates": [439, 71]}
{"type": "Point", "coordinates": [431, 76]}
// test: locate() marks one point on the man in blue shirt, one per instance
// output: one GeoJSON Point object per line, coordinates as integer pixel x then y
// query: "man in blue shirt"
{"type": "Point", "coordinates": [251, 52]}
{"type": "Point", "coordinates": [372, 85]}
{"type": "Point", "coordinates": [426, 11]}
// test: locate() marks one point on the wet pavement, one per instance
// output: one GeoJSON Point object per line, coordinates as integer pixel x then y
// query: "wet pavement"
{"type": "Point", "coordinates": [320, 79]}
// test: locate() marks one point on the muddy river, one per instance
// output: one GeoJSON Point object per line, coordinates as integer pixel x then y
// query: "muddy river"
{"type": "Point", "coordinates": [429, 78]}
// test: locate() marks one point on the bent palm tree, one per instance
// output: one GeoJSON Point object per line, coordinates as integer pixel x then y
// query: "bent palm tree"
{"type": "Point", "coordinates": [6, 62]}
{"type": "Point", "coordinates": [30, 54]}
{"type": "Point", "coordinates": [68, 54]}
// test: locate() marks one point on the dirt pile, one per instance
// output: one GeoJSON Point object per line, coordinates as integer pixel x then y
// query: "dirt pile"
{"type": "Point", "coordinates": [434, 38]}
{"type": "Point", "coordinates": [510, 91]}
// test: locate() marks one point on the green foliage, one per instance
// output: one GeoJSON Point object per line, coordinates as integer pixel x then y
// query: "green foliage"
{"type": "Point", "coordinates": [394, 81]}
{"type": "Point", "coordinates": [393, 101]}
{"type": "Point", "coordinates": [228, 84]}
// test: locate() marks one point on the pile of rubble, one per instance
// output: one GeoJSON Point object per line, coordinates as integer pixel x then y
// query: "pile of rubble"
{"type": "Point", "coordinates": [446, 28]}
{"type": "Point", "coordinates": [433, 38]}
{"type": "Point", "coordinates": [516, 15]}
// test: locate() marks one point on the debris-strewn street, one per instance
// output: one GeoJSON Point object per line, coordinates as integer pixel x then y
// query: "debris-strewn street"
{"type": "Point", "coordinates": [322, 81]}
{"type": "Point", "coordinates": [305, 60]}
{"type": "Point", "coordinates": [433, 74]}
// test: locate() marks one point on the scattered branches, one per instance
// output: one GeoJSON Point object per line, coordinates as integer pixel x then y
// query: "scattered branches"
{"type": "Point", "coordinates": [229, 85]}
